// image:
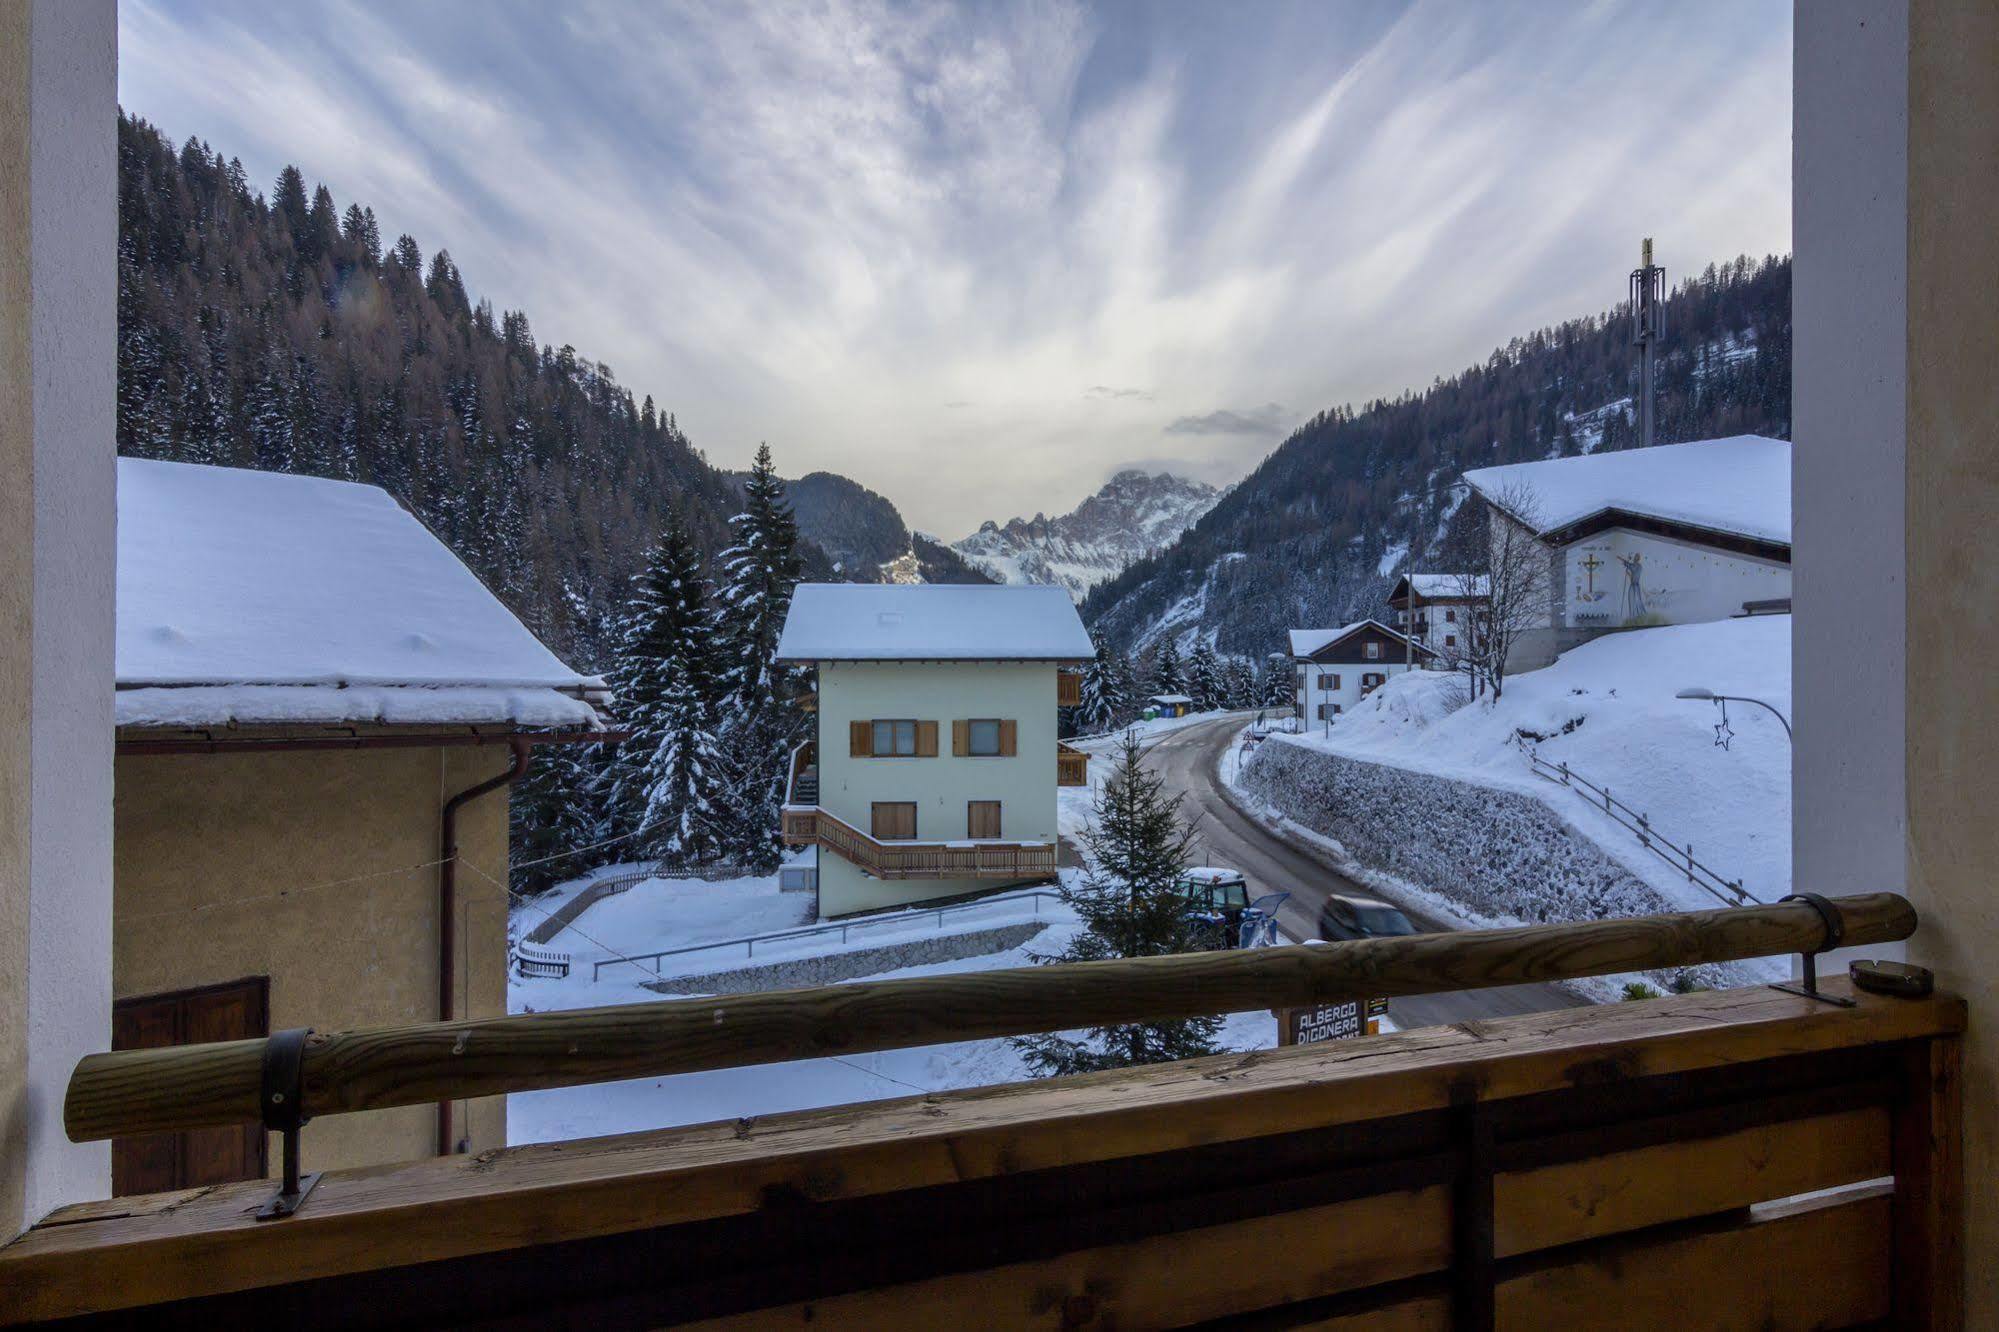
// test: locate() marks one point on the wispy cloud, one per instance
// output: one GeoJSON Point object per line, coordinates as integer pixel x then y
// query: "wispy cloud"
{"type": "Point", "coordinates": [1053, 235]}
{"type": "Point", "coordinates": [1265, 420]}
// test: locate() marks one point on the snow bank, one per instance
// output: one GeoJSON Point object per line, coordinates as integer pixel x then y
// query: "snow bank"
{"type": "Point", "coordinates": [1608, 710]}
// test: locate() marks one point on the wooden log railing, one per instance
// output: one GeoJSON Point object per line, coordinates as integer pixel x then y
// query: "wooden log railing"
{"type": "Point", "coordinates": [194, 1086]}
{"type": "Point", "coordinates": [1072, 766]}
{"type": "Point", "coordinates": [1744, 1158]}
{"type": "Point", "coordinates": [811, 825]}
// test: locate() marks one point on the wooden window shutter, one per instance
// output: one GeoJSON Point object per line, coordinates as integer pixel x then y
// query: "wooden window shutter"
{"type": "Point", "coordinates": [982, 818]}
{"type": "Point", "coordinates": [926, 739]}
{"type": "Point", "coordinates": [961, 738]}
{"type": "Point", "coordinates": [1009, 738]}
{"type": "Point", "coordinates": [860, 739]}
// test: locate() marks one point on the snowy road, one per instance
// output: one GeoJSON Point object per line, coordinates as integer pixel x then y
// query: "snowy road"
{"type": "Point", "coordinates": [1186, 759]}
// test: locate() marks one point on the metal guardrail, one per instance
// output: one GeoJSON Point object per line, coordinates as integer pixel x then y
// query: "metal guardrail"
{"type": "Point", "coordinates": [1729, 892]}
{"type": "Point", "coordinates": [748, 943]}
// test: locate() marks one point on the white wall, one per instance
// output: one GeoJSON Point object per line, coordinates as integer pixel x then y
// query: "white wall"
{"type": "Point", "coordinates": [1682, 582]}
{"type": "Point", "coordinates": [941, 787]}
{"type": "Point", "coordinates": [1311, 694]}
{"type": "Point", "coordinates": [58, 246]}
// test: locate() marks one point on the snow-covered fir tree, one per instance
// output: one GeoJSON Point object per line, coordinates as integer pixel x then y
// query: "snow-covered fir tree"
{"type": "Point", "coordinates": [760, 721]}
{"type": "Point", "coordinates": [1276, 683]}
{"type": "Point", "coordinates": [1169, 676]}
{"type": "Point", "coordinates": [1238, 683]}
{"type": "Point", "coordinates": [669, 784]}
{"type": "Point", "coordinates": [1204, 678]}
{"type": "Point", "coordinates": [1136, 850]}
{"type": "Point", "coordinates": [1105, 701]}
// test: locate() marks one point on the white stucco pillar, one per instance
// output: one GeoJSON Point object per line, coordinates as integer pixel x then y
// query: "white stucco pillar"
{"type": "Point", "coordinates": [58, 365]}
{"type": "Point", "coordinates": [1895, 497]}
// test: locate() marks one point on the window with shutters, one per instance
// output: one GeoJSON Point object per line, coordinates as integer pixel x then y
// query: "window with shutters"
{"type": "Point", "coordinates": [1372, 680]}
{"type": "Point", "coordinates": [1327, 710]}
{"type": "Point", "coordinates": [982, 737]}
{"type": "Point", "coordinates": [157, 1162]}
{"type": "Point", "coordinates": [895, 739]}
{"type": "Point", "coordinates": [982, 818]}
{"type": "Point", "coordinates": [893, 820]}
{"type": "Point", "coordinates": [1450, 640]}
{"type": "Point", "coordinates": [1329, 680]}
{"type": "Point", "coordinates": [1371, 651]}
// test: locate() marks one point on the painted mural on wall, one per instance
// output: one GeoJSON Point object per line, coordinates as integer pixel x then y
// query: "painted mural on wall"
{"type": "Point", "coordinates": [1623, 579]}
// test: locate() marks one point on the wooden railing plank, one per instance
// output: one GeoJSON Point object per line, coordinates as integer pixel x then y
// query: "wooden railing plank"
{"type": "Point", "coordinates": [1818, 1265]}
{"type": "Point", "coordinates": [92, 1258]}
{"type": "Point", "coordinates": [1168, 1281]}
{"type": "Point", "coordinates": [1675, 1181]}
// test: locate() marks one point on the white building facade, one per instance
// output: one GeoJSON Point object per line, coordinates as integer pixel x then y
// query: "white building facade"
{"type": "Point", "coordinates": [1337, 668]}
{"type": "Point", "coordinates": [1675, 534]}
{"type": "Point", "coordinates": [1436, 609]}
{"type": "Point", "coordinates": [934, 766]}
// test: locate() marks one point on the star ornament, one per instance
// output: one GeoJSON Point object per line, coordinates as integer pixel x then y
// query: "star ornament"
{"type": "Point", "coordinates": [1723, 732]}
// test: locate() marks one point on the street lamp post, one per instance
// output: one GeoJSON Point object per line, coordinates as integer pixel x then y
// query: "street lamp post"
{"type": "Point", "coordinates": [1709, 696]}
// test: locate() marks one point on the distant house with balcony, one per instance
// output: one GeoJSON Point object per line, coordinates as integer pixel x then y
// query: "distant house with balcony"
{"type": "Point", "coordinates": [1337, 668]}
{"type": "Point", "coordinates": [1674, 534]}
{"type": "Point", "coordinates": [1437, 610]}
{"type": "Point", "coordinates": [318, 711]}
{"type": "Point", "coordinates": [935, 763]}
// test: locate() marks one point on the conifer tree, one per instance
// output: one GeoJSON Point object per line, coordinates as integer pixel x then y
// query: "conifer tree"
{"type": "Point", "coordinates": [1204, 678]}
{"type": "Point", "coordinates": [1137, 848]}
{"type": "Point", "coordinates": [1104, 701]}
{"type": "Point", "coordinates": [1168, 675]}
{"type": "Point", "coordinates": [669, 775]}
{"type": "Point", "coordinates": [761, 723]}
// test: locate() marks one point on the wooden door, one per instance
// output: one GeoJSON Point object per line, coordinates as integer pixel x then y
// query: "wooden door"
{"type": "Point", "coordinates": [156, 1162]}
{"type": "Point", "coordinates": [982, 818]}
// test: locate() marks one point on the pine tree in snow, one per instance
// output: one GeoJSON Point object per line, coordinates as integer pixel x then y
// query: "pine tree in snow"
{"type": "Point", "coordinates": [758, 574]}
{"type": "Point", "coordinates": [1168, 675]}
{"type": "Point", "coordinates": [1104, 700]}
{"type": "Point", "coordinates": [1238, 684]}
{"type": "Point", "coordinates": [1137, 849]}
{"type": "Point", "coordinates": [669, 777]}
{"type": "Point", "coordinates": [1204, 678]}
{"type": "Point", "coordinates": [1277, 685]}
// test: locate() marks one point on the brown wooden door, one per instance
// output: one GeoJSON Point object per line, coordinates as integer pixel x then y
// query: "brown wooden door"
{"type": "Point", "coordinates": [982, 818]}
{"type": "Point", "coordinates": [893, 820]}
{"type": "Point", "coordinates": [156, 1162]}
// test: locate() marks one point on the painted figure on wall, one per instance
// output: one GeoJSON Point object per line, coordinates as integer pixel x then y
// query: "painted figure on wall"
{"type": "Point", "coordinates": [1634, 586]}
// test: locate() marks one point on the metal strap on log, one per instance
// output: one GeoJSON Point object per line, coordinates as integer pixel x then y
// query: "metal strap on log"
{"type": "Point", "coordinates": [184, 1087]}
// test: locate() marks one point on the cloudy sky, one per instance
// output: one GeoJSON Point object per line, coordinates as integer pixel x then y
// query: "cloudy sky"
{"type": "Point", "coordinates": [980, 256]}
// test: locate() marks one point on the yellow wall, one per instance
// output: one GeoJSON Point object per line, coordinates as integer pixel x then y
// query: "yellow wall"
{"type": "Point", "coordinates": [224, 869]}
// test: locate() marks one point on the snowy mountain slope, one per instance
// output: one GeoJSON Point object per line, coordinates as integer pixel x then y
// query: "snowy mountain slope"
{"type": "Point", "coordinates": [1318, 532]}
{"type": "Point", "coordinates": [1607, 709]}
{"type": "Point", "coordinates": [1133, 515]}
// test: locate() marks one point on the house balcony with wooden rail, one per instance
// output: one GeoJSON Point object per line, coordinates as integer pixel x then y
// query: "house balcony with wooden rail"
{"type": "Point", "coordinates": [1755, 1157]}
{"type": "Point", "coordinates": [804, 822]}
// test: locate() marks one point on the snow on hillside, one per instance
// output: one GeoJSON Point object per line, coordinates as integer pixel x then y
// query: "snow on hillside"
{"type": "Point", "coordinates": [1133, 515]}
{"type": "Point", "coordinates": [1608, 710]}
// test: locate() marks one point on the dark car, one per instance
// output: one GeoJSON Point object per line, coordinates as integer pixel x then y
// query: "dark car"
{"type": "Point", "coordinates": [1361, 918]}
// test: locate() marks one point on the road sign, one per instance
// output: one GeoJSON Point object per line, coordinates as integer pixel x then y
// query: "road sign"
{"type": "Point", "coordinates": [1330, 1022]}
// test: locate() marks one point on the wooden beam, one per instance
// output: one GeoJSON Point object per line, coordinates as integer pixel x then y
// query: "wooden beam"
{"type": "Point", "coordinates": [147, 1091]}
{"type": "Point", "coordinates": [1170, 1281]}
{"type": "Point", "coordinates": [1822, 1263]}
{"type": "Point", "coordinates": [1675, 1181]}
{"type": "Point", "coordinates": [1929, 1187]}
{"type": "Point", "coordinates": [133, 1252]}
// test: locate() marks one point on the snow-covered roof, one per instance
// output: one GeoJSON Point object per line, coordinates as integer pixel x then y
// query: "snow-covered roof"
{"type": "Point", "coordinates": [263, 597]}
{"type": "Point", "coordinates": [932, 622]}
{"type": "Point", "coordinates": [1170, 698]}
{"type": "Point", "coordinates": [1740, 485]}
{"type": "Point", "coordinates": [1305, 642]}
{"type": "Point", "coordinates": [1211, 874]}
{"type": "Point", "coordinates": [1442, 586]}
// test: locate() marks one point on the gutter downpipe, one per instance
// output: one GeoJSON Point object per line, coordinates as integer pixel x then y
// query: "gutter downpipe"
{"type": "Point", "coordinates": [447, 907]}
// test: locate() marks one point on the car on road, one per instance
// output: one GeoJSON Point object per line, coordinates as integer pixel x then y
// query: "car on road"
{"type": "Point", "coordinates": [1344, 917]}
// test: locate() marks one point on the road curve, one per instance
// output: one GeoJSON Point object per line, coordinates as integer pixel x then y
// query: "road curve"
{"type": "Point", "coordinates": [1186, 760]}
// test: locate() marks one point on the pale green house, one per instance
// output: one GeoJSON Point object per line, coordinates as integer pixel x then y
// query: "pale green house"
{"type": "Point", "coordinates": [934, 770]}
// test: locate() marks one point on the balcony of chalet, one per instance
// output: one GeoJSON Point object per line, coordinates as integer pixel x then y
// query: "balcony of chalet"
{"type": "Point", "coordinates": [1758, 1157]}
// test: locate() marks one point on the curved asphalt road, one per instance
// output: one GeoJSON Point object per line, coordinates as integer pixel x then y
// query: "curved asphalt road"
{"type": "Point", "coordinates": [1186, 759]}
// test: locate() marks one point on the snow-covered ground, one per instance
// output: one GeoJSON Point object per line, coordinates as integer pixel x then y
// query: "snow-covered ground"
{"type": "Point", "coordinates": [1608, 710]}
{"type": "Point", "coordinates": [658, 913]}
{"type": "Point", "coordinates": [693, 1098]}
